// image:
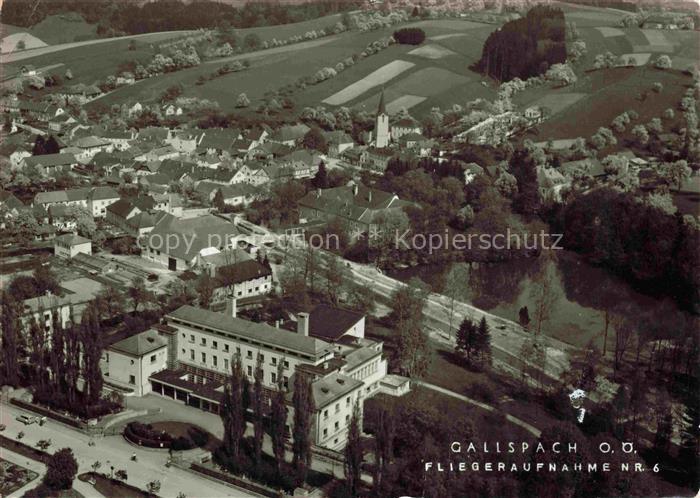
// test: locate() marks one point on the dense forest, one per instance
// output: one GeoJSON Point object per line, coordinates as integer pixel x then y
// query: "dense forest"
{"type": "Point", "coordinates": [655, 250]}
{"type": "Point", "coordinates": [525, 47]}
{"type": "Point", "coordinates": [120, 17]}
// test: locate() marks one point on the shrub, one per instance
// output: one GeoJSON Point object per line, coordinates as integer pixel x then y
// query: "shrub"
{"type": "Point", "coordinates": [181, 444]}
{"type": "Point", "coordinates": [409, 36]}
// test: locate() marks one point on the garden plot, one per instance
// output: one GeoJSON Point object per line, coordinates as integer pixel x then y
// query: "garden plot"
{"type": "Point", "coordinates": [376, 78]}
{"type": "Point", "coordinates": [431, 52]}
{"type": "Point", "coordinates": [608, 32]}
{"type": "Point", "coordinates": [657, 42]}
{"type": "Point", "coordinates": [557, 102]}
{"type": "Point", "coordinates": [415, 88]}
{"type": "Point", "coordinates": [404, 102]}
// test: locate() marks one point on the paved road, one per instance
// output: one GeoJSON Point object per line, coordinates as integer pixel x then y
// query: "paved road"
{"type": "Point", "coordinates": [515, 420]}
{"type": "Point", "coordinates": [115, 451]}
{"type": "Point", "coordinates": [507, 336]}
{"type": "Point", "coordinates": [35, 52]}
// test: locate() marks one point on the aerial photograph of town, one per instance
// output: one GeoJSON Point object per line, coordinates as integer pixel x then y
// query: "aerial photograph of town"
{"type": "Point", "coordinates": [349, 248]}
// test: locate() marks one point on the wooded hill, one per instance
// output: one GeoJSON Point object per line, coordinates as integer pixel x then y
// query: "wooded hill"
{"type": "Point", "coordinates": [525, 47]}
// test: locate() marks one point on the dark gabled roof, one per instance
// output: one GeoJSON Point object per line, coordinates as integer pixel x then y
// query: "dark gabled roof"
{"type": "Point", "coordinates": [329, 324]}
{"type": "Point", "coordinates": [49, 160]}
{"type": "Point", "coordinates": [10, 201]}
{"type": "Point", "coordinates": [244, 271]}
{"type": "Point", "coordinates": [215, 138]}
{"type": "Point", "coordinates": [259, 332]}
{"type": "Point", "coordinates": [103, 193]}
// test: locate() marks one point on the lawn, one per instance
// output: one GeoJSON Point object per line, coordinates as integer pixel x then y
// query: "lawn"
{"type": "Point", "coordinates": [557, 102]}
{"type": "Point", "coordinates": [284, 31]}
{"type": "Point", "coordinates": [14, 477]}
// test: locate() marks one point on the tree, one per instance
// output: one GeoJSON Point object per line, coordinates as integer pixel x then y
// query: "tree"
{"type": "Point", "coordinates": [315, 140]}
{"type": "Point", "coordinates": [663, 62]}
{"type": "Point", "coordinates": [251, 41]}
{"type": "Point", "coordinates": [413, 348]}
{"type": "Point", "coordinates": [61, 469]}
{"type": "Point", "coordinates": [242, 100]}
{"type": "Point", "coordinates": [483, 337]}
{"type": "Point", "coordinates": [320, 179]}
{"type": "Point", "coordinates": [543, 293]}
{"type": "Point", "coordinates": [641, 134]}
{"type": "Point", "coordinates": [278, 418]}
{"type": "Point", "coordinates": [354, 453]}
{"type": "Point", "coordinates": [205, 290]}
{"type": "Point", "coordinates": [153, 487]}
{"type": "Point", "coordinates": [91, 341]}
{"type": "Point", "coordinates": [68, 75]}
{"type": "Point", "coordinates": [465, 344]}
{"type": "Point", "coordinates": [561, 74]}
{"type": "Point", "coordinates": [456, 286]}
{"type": "Point", "coordinates": [21, 45]}
{"type": "Point", "coordinates": [304, 407]}
{"type": "Point", "coordinates": [11, 338]}
{"type": "Point", "coordinates": [121, 475]}
{"type": "Point", "coordinates": [39, 146]}
{"type": "Point", "coordinates": [527, 200]}
{"type": "Point", "coordinates": [84, 222]}
{"type": "Point", "coordinates": [383, 449]}
{"type": "Point", "coordinates": [257, 402]}
{"type": "Point", "coordinates": [677, 172]}
{"type": "Point", "coordinates": [233, 411]}
{"type": "Point", "coordinates": [524, 317]}
{"type": "Point", "coordinates": [51, 146]}
{"type": "Point", "coordinates": [137, 293]}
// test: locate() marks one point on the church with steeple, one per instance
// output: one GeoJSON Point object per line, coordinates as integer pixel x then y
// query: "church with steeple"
{"type": "Point", "coordinates": [381, 125]}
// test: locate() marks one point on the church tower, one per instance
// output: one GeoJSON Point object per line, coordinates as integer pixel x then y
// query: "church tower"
{"type": "Point", "coordinates": [381, 127]}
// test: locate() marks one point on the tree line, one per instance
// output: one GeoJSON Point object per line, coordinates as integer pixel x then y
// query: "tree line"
{"type": "Point", "coordinates": [116, 17]}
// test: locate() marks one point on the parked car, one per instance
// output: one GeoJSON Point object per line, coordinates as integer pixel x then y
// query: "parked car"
{"type": "Point", "coordinates": [26, 419]}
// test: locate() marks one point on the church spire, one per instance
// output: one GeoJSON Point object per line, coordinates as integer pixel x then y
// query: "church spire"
{"type": "Point", "coordinates": [382, 107]}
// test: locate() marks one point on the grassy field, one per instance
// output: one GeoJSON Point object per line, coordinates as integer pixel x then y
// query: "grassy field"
{"type": "Point", "coordinates": [375, 78]}
{"type": "Point", "coordinates": [610, 92]}
{"type": "Point", "coordinates": [53, 30]}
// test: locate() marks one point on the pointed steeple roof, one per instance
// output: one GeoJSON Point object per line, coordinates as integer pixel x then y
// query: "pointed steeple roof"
{"type": "Point", "coordinates": [382, 107]}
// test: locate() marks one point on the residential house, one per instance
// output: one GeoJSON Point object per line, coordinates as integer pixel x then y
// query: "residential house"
{"type": "Point", "coordinates": [404, 126]}
{"type": "Point", "coordinates": [359, 206]}
{"type": "Point", "coordinates": [551, 182]}
{"type": "Point", "coordinates": [129, 363]}
{"type": "Point", "coordinates": [50, 164]}
{"type": "Point", "coordinates": [377, 159]}
{"type": "Point", "coordinates": [290, 135]}
{"type": "Point", "coordinates": [119, 212]}
{"type": "Point", "coordinates": [99, 198]}
{"type": "Point", "coordinates": [338, 142]}
{"type": "Point", "coordinates": [471, 171]}
{"type": "Point", "coordinates": [70, 197]}
{"type": "Point", "coordinates": [300, 163]}
{"type": "Point", "coordinates": [172, 110]}
{"type": "Point", "coordinates": [416, 142]}
{"type": "Point", "coordinates": [257, 137]}
{"type": "Point", "coordinates": [185, 141]}
{"type": "Point", "coordinates": [236, 274]}
{"type": "Point", "coordinates": [89, 146]}
{"type": "Point", "coordinates": [69, 245]}
{"type": "Point", "coordinates": [15, 152]}
{"type": "Point", "coordinates": [120, 140]}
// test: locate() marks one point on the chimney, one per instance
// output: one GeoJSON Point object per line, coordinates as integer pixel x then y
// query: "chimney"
{"type": "Point", "coordinates": [231, 307]}
{"type": "Point", "coordinates": [303, 324]}
{"type": "Point", "coordinates": [369, 196]}
{"type": "Point", "coordinates": [355, 189]}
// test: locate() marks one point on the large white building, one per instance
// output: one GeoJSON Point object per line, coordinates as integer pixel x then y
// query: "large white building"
{"type": "Point", "coordinates": [345, 368]}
